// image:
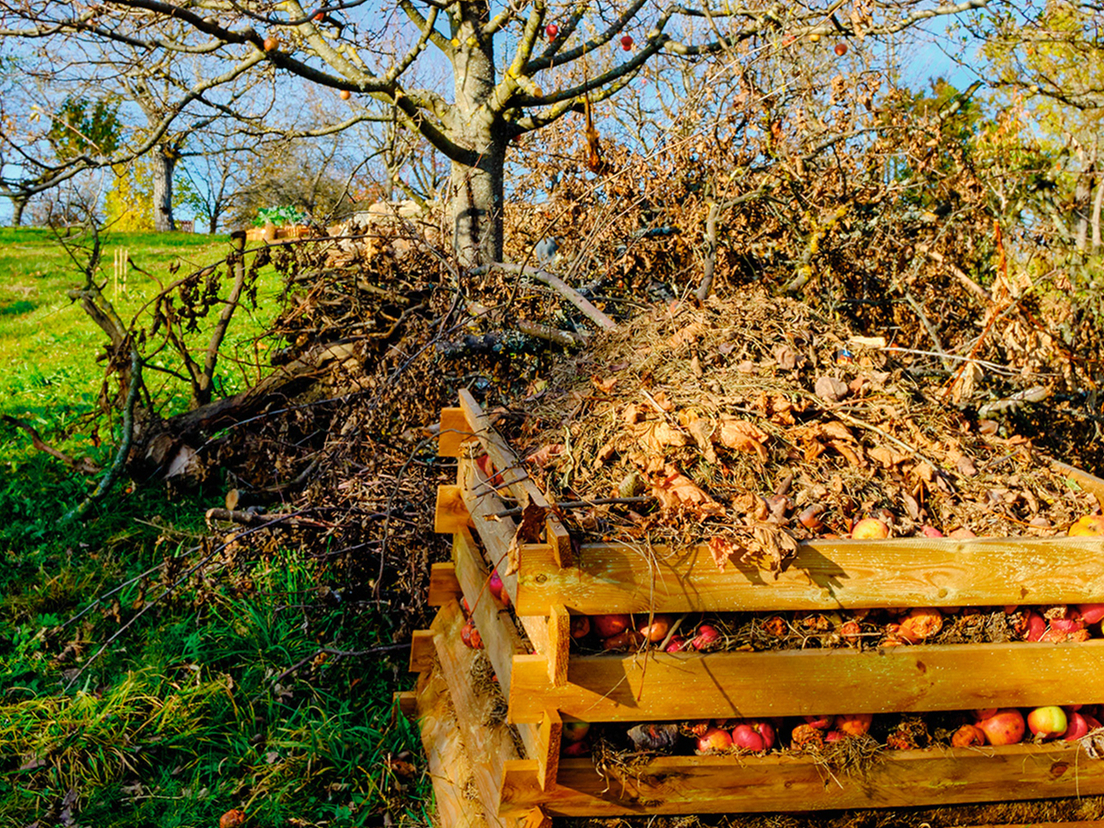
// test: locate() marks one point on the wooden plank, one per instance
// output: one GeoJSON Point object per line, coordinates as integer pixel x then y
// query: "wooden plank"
{"type": "Point", "coordinates": [537, 818]}
{"type": "Point", "coordinates": [548, 752]}
{"type": "Point", "coordinates": [407, 703]}
{"type": "Point", "coordinates": [708, 784]}
{"type": "Point", "coordinates": [450, 514]}
{"type": "Point", "coordinates": [1089, 482]}
{"type": "Point", "coordinates": [559, 645]}
{"type": "Point", "coordinates": [422, 651]}
{"type": "Point", "coordinates": [488, 746]}
{"type": "Point", "coordinates": [908, 572]}
{"type": "Point", "coordinates": [443, 586]}
{"type": "Point", "coordinates": [495, 623]}
{"type": "Point", "coordinates": [454, 432]}
{"type": "Point", "coordinates": [497, 534]}
{"type": "Point", "coordinates": [449, 764]}
{"type": "Point", "coordinates": [514, 475]}
{"type": "Point", "coordinates": [689, 686]}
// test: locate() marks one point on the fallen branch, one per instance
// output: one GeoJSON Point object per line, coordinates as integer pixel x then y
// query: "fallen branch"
{"type": "Point", "coordinates": [560, 286]}
{"type": "Point", "coordinates": [83, 466]}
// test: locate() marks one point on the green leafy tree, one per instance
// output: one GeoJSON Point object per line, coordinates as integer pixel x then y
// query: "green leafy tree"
{"type": "Point", "coordinates": [81, 125]}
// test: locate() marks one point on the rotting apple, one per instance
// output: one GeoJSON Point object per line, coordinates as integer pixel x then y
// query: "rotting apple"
{"type": "Point", "coordinates": [678, 644]}
{"type": "Point", "coordinates": [1035, 626]}
{"type": "Point", "coordinates": [470, 635]}
{"type": "Point", "coordinates": [580, 748]}
{"type": "Point", "coordinates": [1005, 727]}
{"type": "Point", "coordinates": [930, 531]}
{"type": "Point", "coordinates": [853, 724]}
{"type": "Point", "coordinates": [580, 626]}
{"type": "Point", "coordinates": [819, 722]}
{"type": "Point", "coordinates": [1047, 722]}
{"type": "Point", "coordinates": [920, 624]}
{"type": "Point", "coordinates": [968, 736]}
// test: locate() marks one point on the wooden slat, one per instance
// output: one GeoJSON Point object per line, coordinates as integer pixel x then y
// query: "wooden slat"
{"type": "Point", "coordinates": [514, 475]}
{"type": "Point", "coordinates": [443, 586]}
{"type": "Point", "coordinates": [1089, 482]}
{"type": "Point", "coordinates": [537, 818]}
{"type": "Point", "coordinates": [548, 753]}
{"type": "Point", "coordinates": [488, 746]}
{"type": "Point", "coordinates": [909, 572]}
{"type": "Point", "coordinates": [707, 784]}
{"type": "Point", "coordinates": [559, 645]}
{"type": "Point", "coordinates": [496, 534]}
{"type": "Point", "coordinates": [422, 651]}
{"type": "Point", "coordinates": [450, 514]}
{"type": "Point", "coordinates": [496, 627]}
{"type": "Point", "coordinates": [678, 686]}
{"type": "Point", "coordinates": [446, 755]}
{"type": "Point", "coordinates": [454, 432]}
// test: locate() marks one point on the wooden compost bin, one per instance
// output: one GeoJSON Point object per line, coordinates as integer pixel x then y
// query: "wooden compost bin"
{"type": "Point", "coordinates": [544, 684]}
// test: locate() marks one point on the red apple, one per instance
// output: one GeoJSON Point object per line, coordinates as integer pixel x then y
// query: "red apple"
{"type": "Point", "coordinates": [1078, 727]}
{"type": "Point", "coordinates": [841, 49]}
{"type": "Point", "coordinates": [626, 42]}
{"type": "Point", "coordinates": [678, 644]}
{"type": "Point", "coordinates": [714, 738]}
{"type": "Point", "coordinates": [744, 736]}
{"type": "Point", "coordinates": [930, 531]}
{"type": "Point", "coordinates": [1035, 626]}
{"type": "Point", "coordinates": [1047, 722]}
{"type": "Point", "coordinates": [580, 626]}
{"type": "Point", "coordinates": [494, 584]}
{"type": "Point", "coordinates": [551, 30]}
{"type": "Point", "coordinates": [1091, 613]}
{"type": "Point", "coordinates": [580, 748]}
{"type": "Point", "coordinates": [607, 625]}
{"type": "Point", "coordinates": [707, 635]}
{"type": "Point", "coordinates": [1005, 727]}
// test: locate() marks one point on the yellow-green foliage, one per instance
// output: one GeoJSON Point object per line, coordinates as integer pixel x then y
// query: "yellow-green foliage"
{"type": "Point", "coordinates": [129, 204]}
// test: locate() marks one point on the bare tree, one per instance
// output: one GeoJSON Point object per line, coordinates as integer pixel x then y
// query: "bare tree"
{"type": "Point", "coordinates": [512, 71]}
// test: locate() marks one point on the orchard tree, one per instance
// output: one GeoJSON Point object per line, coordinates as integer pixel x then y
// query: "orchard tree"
{"type": "Point", "coordinates": [514, 67]}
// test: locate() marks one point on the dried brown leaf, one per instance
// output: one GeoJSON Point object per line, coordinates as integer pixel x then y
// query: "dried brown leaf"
{"type": "Point", "coordinates": [887, 457]}
{"type": "Point", "coordinates": [741, 435]}
{"type": "Point", "coordinates": [677, 491]}
{"type": "Point", "coordinates": [723, 550]}
{"type": "Point", "coordinates": [831, 389]}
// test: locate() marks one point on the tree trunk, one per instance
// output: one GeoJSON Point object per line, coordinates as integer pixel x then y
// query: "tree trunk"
{"type": "Point", "coordinates": [164, 162]}
{"type": "Point", "coordinates": [18, 205]}
{"type": "Point", "coordinates": [477, 192]}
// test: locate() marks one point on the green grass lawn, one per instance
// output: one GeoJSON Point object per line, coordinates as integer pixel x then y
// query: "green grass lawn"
{"type": "Point", "coordinates": [49, 371]}
{"type": "Point", "coordinates": [191, 709]}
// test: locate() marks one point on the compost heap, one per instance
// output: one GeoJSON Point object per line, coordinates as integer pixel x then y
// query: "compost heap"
{"type": "Point", "coordinates": [752, 422]}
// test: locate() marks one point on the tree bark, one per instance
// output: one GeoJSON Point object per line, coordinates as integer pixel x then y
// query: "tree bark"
{"type": "Point", "coordinates": [477, 192]}
{"type": "Point", "coordinates": [164, 162]}
{"type": "Point", "coordinates": [18, 203]}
